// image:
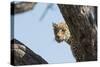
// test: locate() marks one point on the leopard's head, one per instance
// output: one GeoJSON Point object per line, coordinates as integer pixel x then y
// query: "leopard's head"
{"type": "Point", "coordinates": [61, 32]}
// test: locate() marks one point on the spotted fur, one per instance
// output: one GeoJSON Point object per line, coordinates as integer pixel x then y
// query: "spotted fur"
{"type": "Point", "coordinates": [61, 32]}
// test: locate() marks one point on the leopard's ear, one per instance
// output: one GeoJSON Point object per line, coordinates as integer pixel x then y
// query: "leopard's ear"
{"type": "Point", "coordinates": [54, 24]}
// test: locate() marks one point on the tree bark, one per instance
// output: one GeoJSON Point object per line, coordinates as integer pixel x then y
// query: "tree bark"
{"type": "Point", "coordinates": [82, 23]}
{"type": "Point", "coordinates": [22, 55]}
{"type": "Point", "coordinates": [21, 7]}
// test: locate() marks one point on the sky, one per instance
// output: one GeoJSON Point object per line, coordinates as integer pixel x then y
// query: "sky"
{"type": "Point", "coordinates": [38, 35]}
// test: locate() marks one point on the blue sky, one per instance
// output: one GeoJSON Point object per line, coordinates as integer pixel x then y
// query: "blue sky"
{"type": "Point", "coordinates": [38, 34]}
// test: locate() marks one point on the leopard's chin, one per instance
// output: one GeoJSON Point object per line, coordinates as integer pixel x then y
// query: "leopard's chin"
{"type": "Point", "coordinates": [58, 40]}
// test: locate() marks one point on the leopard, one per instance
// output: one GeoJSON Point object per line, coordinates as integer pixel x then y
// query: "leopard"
{"type": "Point", "coordinates": [61, 32]}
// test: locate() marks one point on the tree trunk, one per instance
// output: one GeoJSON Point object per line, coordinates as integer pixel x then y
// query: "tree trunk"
{"type": "Point", "coordinates": [22, 55]}
{"type": "Point", "coordinates": [82, 23]}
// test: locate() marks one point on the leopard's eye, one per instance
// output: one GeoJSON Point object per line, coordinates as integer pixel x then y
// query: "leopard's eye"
{"type": "Point", "coordinates": [63, 30]}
